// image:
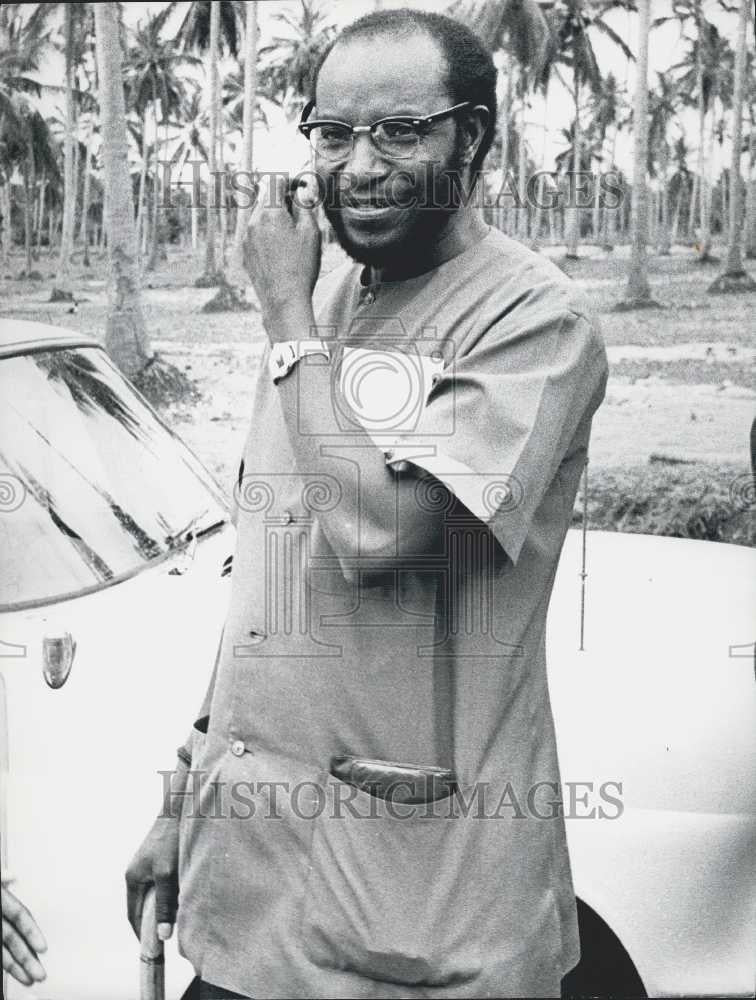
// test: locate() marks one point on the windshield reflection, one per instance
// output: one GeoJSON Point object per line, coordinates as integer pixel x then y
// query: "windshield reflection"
{"type": "Point", "coordinates": [108, 488]}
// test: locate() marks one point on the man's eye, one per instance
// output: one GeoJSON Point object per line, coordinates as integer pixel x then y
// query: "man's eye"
{"type": "Point", "coordinates": [333, 133]}
{"type": "Point", "coordinates": [398, 131]}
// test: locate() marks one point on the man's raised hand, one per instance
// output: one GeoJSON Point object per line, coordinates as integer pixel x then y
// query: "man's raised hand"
{"type": "Point", "coordinates": [282, 253]}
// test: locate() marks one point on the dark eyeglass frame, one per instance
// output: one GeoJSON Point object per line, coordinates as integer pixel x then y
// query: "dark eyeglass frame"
{"type": "Point", "coordinates": [306, 127]}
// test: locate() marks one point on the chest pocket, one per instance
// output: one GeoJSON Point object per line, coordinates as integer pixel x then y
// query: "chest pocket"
{"type": "Point", "coordinates": [385, 391]}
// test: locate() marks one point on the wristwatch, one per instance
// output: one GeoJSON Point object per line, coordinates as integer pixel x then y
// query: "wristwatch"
{"type": "Point", "coordinates": [285, 355]}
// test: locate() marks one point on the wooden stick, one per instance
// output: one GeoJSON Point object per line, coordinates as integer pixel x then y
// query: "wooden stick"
{"type": "Point", "coordinates": [151, 958]}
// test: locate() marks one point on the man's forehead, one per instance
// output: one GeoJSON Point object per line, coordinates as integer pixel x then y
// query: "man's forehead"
{"type": "Point", "coordinates": [364, 77]}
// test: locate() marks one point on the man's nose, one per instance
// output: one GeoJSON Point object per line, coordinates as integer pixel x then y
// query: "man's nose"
{"type": "Point", "coordinates": [365, 160]}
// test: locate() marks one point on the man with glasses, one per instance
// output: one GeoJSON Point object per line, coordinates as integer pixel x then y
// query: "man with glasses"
{"type": "Point", "coordinates": [369, 805]}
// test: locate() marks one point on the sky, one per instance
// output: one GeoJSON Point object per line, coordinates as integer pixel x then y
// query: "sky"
{"type": "Point", "coordinates": [280, 147]}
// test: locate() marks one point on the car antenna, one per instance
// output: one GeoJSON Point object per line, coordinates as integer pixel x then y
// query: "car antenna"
{"type": "Point", "coordinates": [583, 573]}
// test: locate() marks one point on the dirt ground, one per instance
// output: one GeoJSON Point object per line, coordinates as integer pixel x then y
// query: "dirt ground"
{"type": "Point", "coordinates": [681, 387]}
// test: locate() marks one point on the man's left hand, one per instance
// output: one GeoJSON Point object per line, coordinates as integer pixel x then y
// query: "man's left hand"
{"type": "Point", "coordinates": [22, 940]}
{"type": "Point", "coordinates": [282, 253]}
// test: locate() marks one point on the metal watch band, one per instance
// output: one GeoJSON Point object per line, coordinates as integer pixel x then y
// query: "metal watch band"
{"type": "Point", "coordinates": [285, 355]}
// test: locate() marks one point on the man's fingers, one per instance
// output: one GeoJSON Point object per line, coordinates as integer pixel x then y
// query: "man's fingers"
{"type": "Point", "coordinates": [135, 893]}
{"type": "Point", "coordinates": [279, 188]}
{"type": "Point", "coordinates": [20, 954]}
{"type": "Point", "coordinates": [166, 897]}
{"type": "Point", "coordinates": [11, 966]}
{"type": "Point", "coordinates": [273, 196]}
{"type": "Point", "coordinates": [16, 914]}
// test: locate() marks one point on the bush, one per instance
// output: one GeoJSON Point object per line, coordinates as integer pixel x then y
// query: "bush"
{"type": "Point", "coordinates": [709, 502]}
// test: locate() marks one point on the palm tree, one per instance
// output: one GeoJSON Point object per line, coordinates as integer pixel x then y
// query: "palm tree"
{"type": "Point", "coordinates": [154, 81]}
{"type": "Point", "coordinates": [75, 28]}
{"type": "Point", "coordinates": [638, 292]}
{"type": "Point", "coordinates": [289, 61]}
{"type": "Point", "coordinates": [191, 145]}
{"type": "Point", "coordinates": [734, 277]}
{"type": "Point", "coordinates": [26, 142]}
{"type": "Point", "coordinates": [20, 56]}
{"type": "Point", "coordinates": [607, 112]}
{"type": "Point", "coordinates": [571, 23]}
{"type": "Point", "coordinates": [83, 236]}
{"type": "Point", "coordinates": [249, 108]}
{"type": "Point", "coordinates": [21, 53]}
{"type": "Point", "coordinates": [680, 185]}
{"type": "Point", "coordinates": [518, 28]}
{"type": "Point", "coordinates": [750, 214]}
{"type": "Point", "coordinates": [662, 109]}
{"type": "Point", "coordinates": [206, 25]}
{"type": "Point", "coordinates": [125, 335]}
{"type": "Point", "coordinates": [700, 73]}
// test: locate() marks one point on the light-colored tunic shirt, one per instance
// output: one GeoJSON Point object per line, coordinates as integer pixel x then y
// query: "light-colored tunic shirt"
{"type": "Point", "coordinates": [479, 379]}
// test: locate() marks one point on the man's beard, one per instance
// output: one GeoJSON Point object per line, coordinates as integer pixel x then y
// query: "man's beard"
{"type": "Point", "coordinates": [437, 203]}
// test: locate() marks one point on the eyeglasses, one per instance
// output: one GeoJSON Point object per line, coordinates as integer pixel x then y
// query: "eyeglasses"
{"type": "Point", "coordinates": [397, 137]}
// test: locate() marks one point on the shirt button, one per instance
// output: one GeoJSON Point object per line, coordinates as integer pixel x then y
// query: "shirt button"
{"type": "Point", "coordinates": [238, 748]}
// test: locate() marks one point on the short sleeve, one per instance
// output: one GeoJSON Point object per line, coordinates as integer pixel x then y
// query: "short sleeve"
{"type": "Point", "coordinates": [501, 418]}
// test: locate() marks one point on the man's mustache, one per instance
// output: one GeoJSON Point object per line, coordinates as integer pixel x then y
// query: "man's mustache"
{"type": "Point", "coordinates": [434, 186]}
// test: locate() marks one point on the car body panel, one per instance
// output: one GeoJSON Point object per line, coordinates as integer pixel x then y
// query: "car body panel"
{"type": "Point", "coordinates": [657, 701]}
{"type": "Point", "coordinates": [83, 784]}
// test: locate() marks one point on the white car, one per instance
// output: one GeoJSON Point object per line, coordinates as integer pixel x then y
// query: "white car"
{"type": "Point", "coordinates": [116, 547]}
{"type": "Point", "coordinates": [119, 545]}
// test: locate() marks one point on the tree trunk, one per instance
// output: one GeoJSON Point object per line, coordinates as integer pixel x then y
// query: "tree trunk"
{"type": "Point", "coordinates": [552, 226]}
{"type": "Point", "coordinates": [638, 289]}
{"type": "Point", "coordinates": [750, 213]}
{"type": "Point", "coordinates": [704, 213]}
{"type": "Point", "coordinates": [27, 218]}
{"type": "Point", "coordinates": [664, 231]}
{"type": "Point", "coordinates": [504, 116]}
{"type": "Point", "coordinates": [733, 270]}
{"type": "Point", "coordinates": [610, 214]}
{"type": "Point", "coordinates": [4, 213]}
{"type": "Point", "coordinates": [140, 224]}
{"type": "Point", "coordinates": [596, 221]}
{"type": "Point", "coordinates": [84, 227]}
{"type": "Point", "coordinates": [62, 288]}
{"type": "Point", "coordinates": [155, 245]}
{"type": "Point", "coordinates": [222, 214]}
{"type": "Point", "coordinates": [522, 182]}
{"type": "Point", "coordinates": [193, 210]}
{"type": "Point", "coordinates": [653, 215]}
{"type": "Point", "coordinates": [40, 216]}
{"type": "Point", "coordinates": [573, 213]}
{"type": "Point", "coordinates": [211, 269]}
{"type": "Point", "coordinates": [250, 100]}
{"type": "Point", "coordinates": [694, 202]}
{"type": "Point", "coordinates": [125, 336]}
{"type": "Point", "coordinates": [676, 216]}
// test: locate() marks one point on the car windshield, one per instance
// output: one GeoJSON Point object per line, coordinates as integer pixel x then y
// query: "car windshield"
{"type": "Point", "coordinates": [94, 487]}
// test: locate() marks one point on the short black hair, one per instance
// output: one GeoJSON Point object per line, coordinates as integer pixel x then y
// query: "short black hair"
{"type": "Point", "coordinates": [470, 70]}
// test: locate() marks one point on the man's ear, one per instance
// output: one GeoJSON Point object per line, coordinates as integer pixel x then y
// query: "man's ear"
{"type": "Point", "coordinates": [475, 123]}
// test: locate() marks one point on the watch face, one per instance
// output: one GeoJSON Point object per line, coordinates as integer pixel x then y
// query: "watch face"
{"type": "Point", "coordinates": [282, 357]}
{"type": "Point", "coordinates": [278, 359]}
